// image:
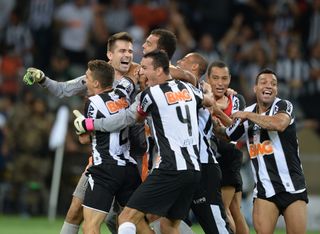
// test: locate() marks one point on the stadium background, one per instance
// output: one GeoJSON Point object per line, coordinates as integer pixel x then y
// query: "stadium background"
{"type": "Point", "coordinates": [247, 35]}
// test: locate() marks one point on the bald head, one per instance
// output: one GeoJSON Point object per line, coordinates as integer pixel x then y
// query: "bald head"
{"type": "Point", "coordinates": [194, 63]}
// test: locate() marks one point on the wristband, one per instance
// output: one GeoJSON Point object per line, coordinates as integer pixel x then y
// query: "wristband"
{"type": "Point", "coordinates": [89, 124]}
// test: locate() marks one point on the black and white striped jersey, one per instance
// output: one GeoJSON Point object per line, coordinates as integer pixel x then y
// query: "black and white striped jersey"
{"type": "Point", "coordinates": [173, 109]}
{"type": "Point", "coordinates": [207, 153]}
{"type": "Point", "coordinates": [109, 147]}
{"type": "Point", "coordinates": [274, 155]}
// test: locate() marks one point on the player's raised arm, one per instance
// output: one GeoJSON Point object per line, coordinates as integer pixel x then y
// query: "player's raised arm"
{"type": "Point", "coordinates": [70, 88]}
{"type": "Point", "coordinates": [180, 74]}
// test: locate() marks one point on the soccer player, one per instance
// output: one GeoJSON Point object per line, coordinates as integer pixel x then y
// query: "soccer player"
{"type": "Point", "coordinates": [229, 157]}
{"type": "Point", "coordinates": [269, 129]}
{"type": "Point", "coordinates": [114, 172]}
{"type": "Point", "coordinates": [120, 56]}
{"type": "Point", "coordinates": [207, 204]}
{"type": "Point", "coordinates": [171, 107]}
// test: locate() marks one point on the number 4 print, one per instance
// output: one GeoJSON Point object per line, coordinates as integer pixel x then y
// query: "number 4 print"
{"type": "Point", "coordinates": [186, 120]}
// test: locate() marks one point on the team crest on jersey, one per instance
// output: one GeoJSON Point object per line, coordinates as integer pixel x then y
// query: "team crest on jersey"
{"type": "Point", "coordinates": [289, 107]}
{"type": "Point", "coordinates": [117, 105]}
{"type": "Point", "coordinates": [146, 102]}
{"type": "Point", "coordinates": [196, 90]}
{"type": "Point", "coordinates": [236, 104]}
{"type": "Point", "coordinates": [174, 97]}
{"type": "Point", "coordinates": [90, 111]}
{"type": "Point", "coordinates": [126, 85]}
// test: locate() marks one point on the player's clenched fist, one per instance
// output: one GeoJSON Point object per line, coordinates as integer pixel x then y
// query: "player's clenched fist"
{"type": "Point", "coordinates": [33, 75]}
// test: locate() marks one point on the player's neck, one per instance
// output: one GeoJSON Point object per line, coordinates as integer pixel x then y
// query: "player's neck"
{"type": "Point", "coordinates": [102, 90]}
{"type": "Point", "coordinates": [263, 108]}
{"type": "Point", "coordinates": [118, 75]}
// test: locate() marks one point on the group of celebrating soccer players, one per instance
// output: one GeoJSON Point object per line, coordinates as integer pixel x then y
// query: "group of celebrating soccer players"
{"type": "Point", "coordinates": [189, 148]}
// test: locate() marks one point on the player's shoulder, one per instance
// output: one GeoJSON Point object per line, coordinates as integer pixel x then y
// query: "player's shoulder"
{"type": "Point", "coordinates": [282, 105]}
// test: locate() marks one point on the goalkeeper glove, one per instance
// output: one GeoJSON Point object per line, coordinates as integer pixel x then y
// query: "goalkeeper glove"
{"type": "Point", "coordinates": [33, 75]}
{"type": "Point", "coordinates": [82, 124]}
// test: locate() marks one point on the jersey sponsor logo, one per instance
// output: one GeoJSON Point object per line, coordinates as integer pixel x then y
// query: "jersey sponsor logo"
{"type": "Point", "coordinates": [264, 148]}
{"type": "Point", "coordinates": [117, 105]}
{"type": "Point", "coordinates": [200, 200]}
{"type": "Point", "coordinates": [174, 97]}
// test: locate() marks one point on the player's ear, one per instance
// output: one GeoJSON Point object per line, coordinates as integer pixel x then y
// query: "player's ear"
{"type": "Point", "coordinates": [109, 55]}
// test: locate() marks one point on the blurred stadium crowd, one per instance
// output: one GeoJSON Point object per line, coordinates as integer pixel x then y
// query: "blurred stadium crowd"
{"type": "Point", "coordinates": [60, 37]}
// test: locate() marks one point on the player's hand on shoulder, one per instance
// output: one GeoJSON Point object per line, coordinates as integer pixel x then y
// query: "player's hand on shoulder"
{"type": "Point", "coordinates": [231, 91]}
{"type": "Point", "coordinates": [133, 72]}
{"type": "Point", "coordinates": [33, 75]}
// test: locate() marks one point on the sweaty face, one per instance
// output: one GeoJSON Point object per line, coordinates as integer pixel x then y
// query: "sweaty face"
{"type": "Point", "coordinates": [266, 89]}
{"type": "Point", "coordinates": [90, 82]}
{"type": "Point", "coordinates": [149, 72]}
{"type": "Point", "coordinates": [151, 44]}
{"type": "Point", "coordinates": [186, 63]}
{"type": "Point", "coordinates": [219, 80]}
{"type": "Point", "coordinates": [121, 56]}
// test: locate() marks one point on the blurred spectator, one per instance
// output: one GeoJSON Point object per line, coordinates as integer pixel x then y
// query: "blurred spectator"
{"type": "Point", "coordinates": [30, 124]}
{"type": "Point", "coordinates": [176, 24]}
{"type": "Point", "coordinates": [255, 60]}
{"type": "Point", "coordinates": [292, 71]}
{"type": "Point", "coordinates": [311, 87]}
{"type": "Point", "coordinates": [40, 19]}
{"type": "Point", "coordinates": [5, 105]}
{"type": "Point", "coordinates": [17, 37]}
{"type": "Point", "coordinates": [207, 48]}
{"type": "Point", "coordinates": [284, 14]}
{"type": "Point", "coordinates": [148, 14]}
{"type": "Point", "coordinates": [100, 33]}
{"type": "Point", "coordinates": [10, 67]}
{"type": "Point", "coordinates": [314, 23]}
{"type": "Point", "coordinates": [59, 68]}
{"type": "Point", "coordinates": [117, 16]}
{"type": "Point", "coordinates": [6, 8]}
{"type": "Point", "coordinates": [75, 20]}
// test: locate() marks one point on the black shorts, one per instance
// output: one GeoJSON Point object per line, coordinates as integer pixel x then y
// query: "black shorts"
{"type": "Point", "coordinates": [106, 182]}
{"type": "Point", "coordinates": [210, 184]}
{"type": "Point", "coordinates": [166, 193]}
{"type": "Point", "coordinates": [284, 199]}
{"type": "Point", "coordinates": [207, 204]}
{"type": "Point", "coordinates": [230, 163]}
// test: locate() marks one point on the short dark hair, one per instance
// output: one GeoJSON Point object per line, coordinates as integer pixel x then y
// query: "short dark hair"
{"type": "Point", "coordinates": [102, 72]}
{"type": "Point", "coordinates": [219, 64]}
{"type": "Point", "coordinates": [265, 71]}
{"type": "Point", "coordinates": [167, 41]}
{"type": "Point", "coordinates": [123, 36]}
{"type": "Point", "coordinates": [160, 59]}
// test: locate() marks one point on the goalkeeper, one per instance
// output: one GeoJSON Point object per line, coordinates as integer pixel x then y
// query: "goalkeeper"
{"type": "Point", "coordinates": [123, 67]}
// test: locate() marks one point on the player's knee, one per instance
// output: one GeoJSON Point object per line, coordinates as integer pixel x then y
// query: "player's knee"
{"type": "Point", "coordinates": [75, 214]}
{"type": "Point", "coordinates": [124, 216]}
{"type": "Point", "coordinates": [169, 226]}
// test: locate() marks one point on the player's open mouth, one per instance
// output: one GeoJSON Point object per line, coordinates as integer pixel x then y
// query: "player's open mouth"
{"type": "Point", "coordinates": [267, 92]}
{"type": "Point", "coordinates": [124, 63]}
{"type": "Point", "coordinates": [220, 90]}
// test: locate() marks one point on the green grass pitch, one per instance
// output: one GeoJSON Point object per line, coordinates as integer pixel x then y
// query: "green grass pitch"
{"type": "Point", "coordinates": [41, 225]}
